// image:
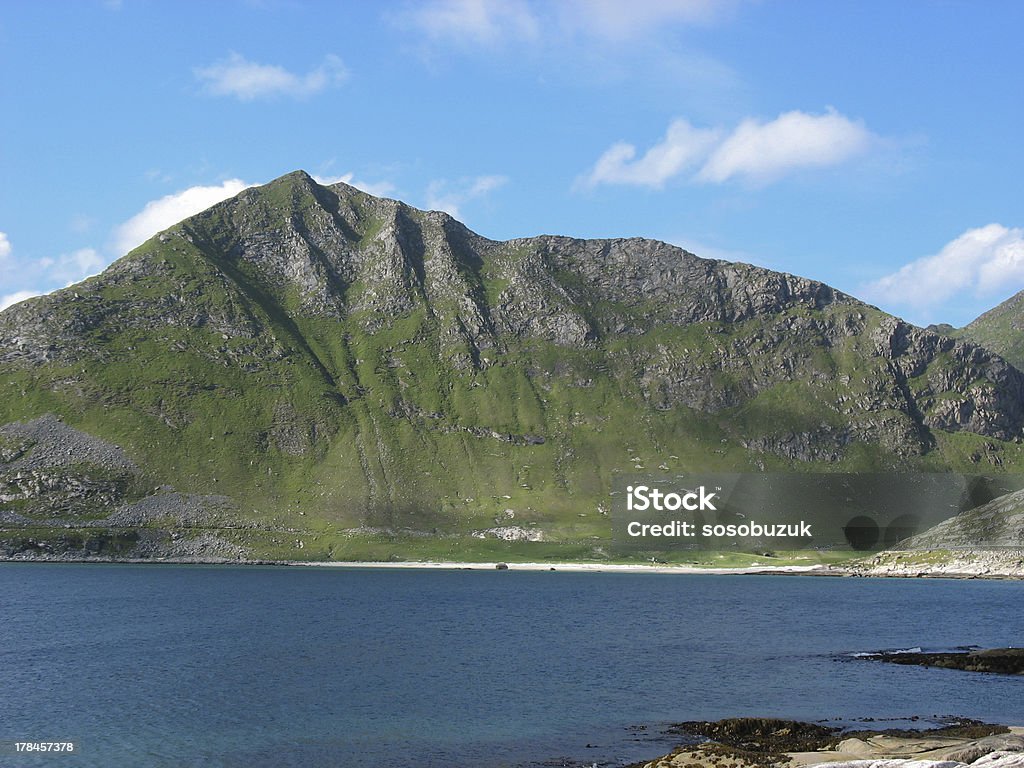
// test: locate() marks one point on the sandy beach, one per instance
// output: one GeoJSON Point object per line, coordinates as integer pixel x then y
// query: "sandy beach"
{"type": "Point", "coordinates": [571, 567]}
{"type": "Point", "coordinates": [1008, 564]}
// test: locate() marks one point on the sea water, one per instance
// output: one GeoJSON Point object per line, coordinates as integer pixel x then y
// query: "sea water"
{"type": "Point", "coordinates": [164, 665]}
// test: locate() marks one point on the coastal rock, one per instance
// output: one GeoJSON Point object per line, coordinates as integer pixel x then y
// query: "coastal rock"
{"type": "Point", "coordinates": [769, 743]}
{"type": "Point", "coordinates": [1000, 759]}
{"type": "Point", "coordinates": [993, 760]}
{"type": "Point", "coordinates": [895, 763]}
{"type": "Point", "coordinates": [1001, 743]}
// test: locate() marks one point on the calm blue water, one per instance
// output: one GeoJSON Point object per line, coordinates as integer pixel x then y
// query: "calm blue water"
{"type": "Point", "coordinates": [249, 666]}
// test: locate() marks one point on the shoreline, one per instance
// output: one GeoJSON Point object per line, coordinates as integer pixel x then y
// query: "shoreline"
{"type": "Point", "coordinates": [833, 571]}
{"type": "Point", "coordinates": [570, 567]}
{"type": "Point", "coordinates": [748, 742]}
{"type": "Point", "coordinates": [444, 565]}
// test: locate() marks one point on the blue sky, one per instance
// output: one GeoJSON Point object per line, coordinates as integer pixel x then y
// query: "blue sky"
{"type": "Point", "coordinates": [871, 145]}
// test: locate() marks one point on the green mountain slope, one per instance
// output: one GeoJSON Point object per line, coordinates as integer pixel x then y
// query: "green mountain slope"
{"type": "Point", "coordinates": [1001, 329]}
{"type": "Point", "coordinates": [312, 372]}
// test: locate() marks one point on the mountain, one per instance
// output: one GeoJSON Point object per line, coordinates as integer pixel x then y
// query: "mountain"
{"type": "Point", "coordinates": [311, 372]}
{"type": "Point", "coordinates": [1001, 329]}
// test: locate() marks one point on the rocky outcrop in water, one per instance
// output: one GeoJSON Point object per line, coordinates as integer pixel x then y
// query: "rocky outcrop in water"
{"type": "Point", "coordinates": [1003, 661]}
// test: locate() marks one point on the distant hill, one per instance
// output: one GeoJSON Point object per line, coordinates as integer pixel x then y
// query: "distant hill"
{"type": "Point", "coordinates": [311, 372]}
{"type": "Point", "coordinates": [1000, 523]}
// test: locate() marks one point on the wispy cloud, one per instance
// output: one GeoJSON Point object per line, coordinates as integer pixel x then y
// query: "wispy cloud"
{"type": "Point", "coordinates": [755, 151]}
{"type": "Point", "coordinates": [490, 22]}
{"type": "Point", "coordinates": [618, 20]}
{"type": "Point", "coordinates": [984, 262]}
{"type": "Point", "coordinates": [247, 80]}
{"type": "Point", "coordinates": [475, 22]}
{"type": "Point", "coordinates": [446, 196]}
{"type": "Point", "coordinates": [5, 246]}
{"type": "Point", "coordinates": [160, 214]}
{"type": "Point", "coordinates": [597, 42]}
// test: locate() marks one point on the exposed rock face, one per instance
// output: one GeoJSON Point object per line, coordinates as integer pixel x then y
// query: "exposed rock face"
{"type": "Point", "coordinates": [65, 494]}
{"type": "Point", "coordinates": [355, 359]}
{"type": "Point", "coordinates": [50, 469]}
{"type": "Point", "coordinates": [47, 442]}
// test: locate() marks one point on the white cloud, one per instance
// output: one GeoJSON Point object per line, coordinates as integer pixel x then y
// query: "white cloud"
{"type": "Point", "coordinates": [754, 151]}
{"type": "Point", "coordinates": [984, 262]}
{"type": "Point", "coordinates": [5, 246]}
{"type": "Point", "coordinates": [247, 80]}
{"type": "Point", "coordinates": [480, 22]}
{"type": "Point", "coordinates": [764, 151]}
{"type": "Point", "coordinates": [682, 147]}
{"type": "Point", "coordinates": [13, 298]}
{"type": "Point", "coordinates": [169, 210]}
{"type": "Point", "coordinates": [377, 188]}
{"type": "Point", "coordinates": [443, 196]}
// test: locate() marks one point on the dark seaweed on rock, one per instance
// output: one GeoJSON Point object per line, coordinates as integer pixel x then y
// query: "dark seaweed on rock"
{"type": "Point", "coordinates": [1004, 661]}
{"type": "Point", "coordinates": [762, 735]}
